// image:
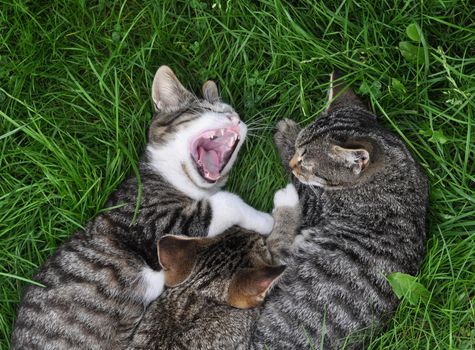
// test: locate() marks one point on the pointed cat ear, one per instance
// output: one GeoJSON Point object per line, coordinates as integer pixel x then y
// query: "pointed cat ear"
{"type": "Point", "coordinates": [210, 91]}
{"type": "Point", "coordinates": [167, 91]}
{"type": "Point", "coordinates": [250, 285]}
{"type": "Point", "coordinates": [358, 158]}
{"type": "Point", "coordinates": [340, 95]}
{"type": "Point", "coordinates": [176, 255]}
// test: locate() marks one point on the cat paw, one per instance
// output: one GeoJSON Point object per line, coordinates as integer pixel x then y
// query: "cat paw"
{"type": "Point", "coordinates": [286, 134]}
{"type": "Point", "coordinates": [284, 139]}
{"type": "Point", "coordinates": [263, 223]}
{"type": "Point", "coordinates": [152, 283]}
{"type": "Point", "coordinates": [286, 197]}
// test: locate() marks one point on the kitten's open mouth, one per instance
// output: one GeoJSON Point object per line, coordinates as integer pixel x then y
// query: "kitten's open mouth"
{"type": "Point", "coordinates": [212, 151]}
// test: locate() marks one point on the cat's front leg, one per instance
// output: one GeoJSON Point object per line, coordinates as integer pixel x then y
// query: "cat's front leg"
{"type": "Point", "coordinates": [229, 209]}
{"type": "Point", "coordinates": [152, 284]}
{"type": "Point", "coordinates": [288, 217]}
{"type": "Point", "coordinates": [284, 138]}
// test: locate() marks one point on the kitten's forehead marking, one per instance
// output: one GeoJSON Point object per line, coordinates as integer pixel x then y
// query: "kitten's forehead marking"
{"type": "Point", "coordinates": [306, 138]}
{"type": "Point", "coordinates": [196, 109]}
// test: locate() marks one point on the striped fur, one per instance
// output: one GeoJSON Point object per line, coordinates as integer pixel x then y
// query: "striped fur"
{"type": "Point", "coordinates": [196, 313]}
{"type": "Point", "coordinates": [335, 293]}
{"type": "Point", "coordinates": [99, 282]}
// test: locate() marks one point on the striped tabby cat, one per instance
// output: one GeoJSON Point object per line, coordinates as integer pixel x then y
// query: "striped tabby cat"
{"type": "Point", "coordinates": [364, 202]}
{"type": "Point", "coordinates": [99, 282]}
{"type": "Point", "coordinates": [216, 284]}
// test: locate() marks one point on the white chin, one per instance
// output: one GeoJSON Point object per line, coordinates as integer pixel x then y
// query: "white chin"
{"type": "Point", "coordinates": [232, 159]}
{"type": "Point", "coordinates": [315, 181]}
{"type": "Point", "coordinates": [202, 182]}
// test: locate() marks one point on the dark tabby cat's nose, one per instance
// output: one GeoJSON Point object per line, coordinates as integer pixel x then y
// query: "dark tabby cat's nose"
{"type": "Point", "coordinates": [294, 163]}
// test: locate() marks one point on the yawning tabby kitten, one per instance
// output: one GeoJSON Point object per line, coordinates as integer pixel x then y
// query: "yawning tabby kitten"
{"type": "Point", "coordinates": [98, 283]}
{"type": "Point", "coordinates": [364, 201]}
{"type": "Point", "coordinates": [216, 283]}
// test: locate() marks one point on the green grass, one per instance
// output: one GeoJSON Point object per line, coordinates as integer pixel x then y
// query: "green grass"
{"type": "Point", "coordinates": [75, 104]}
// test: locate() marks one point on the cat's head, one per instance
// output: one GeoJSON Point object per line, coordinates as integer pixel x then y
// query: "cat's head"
{"type": "Point", "coordinates": [192, 139]}
{"type": "Point", "coordinates": [338, 149]}
{"type": "Point", "coordinates": [234, 268]}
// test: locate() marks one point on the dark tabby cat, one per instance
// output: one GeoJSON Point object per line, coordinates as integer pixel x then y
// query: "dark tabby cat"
{"type": "Point", "coordinates": [364, 202]}
{"type": "Point", "coordinates": [216, 284]}
{"type": "Point", "coordinates": [98, 283]}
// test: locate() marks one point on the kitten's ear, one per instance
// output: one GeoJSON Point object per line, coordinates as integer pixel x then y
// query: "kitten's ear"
{"type": "Point", "coordinates": [176, 255]}
{"type": "Point", "coordinates": [250, 285]}
{"type": "Point", "coordinates": [357, 159]}
{"type": "Point", "coordinates": [340, 95]}
{"type": "Point", "coordinates": [167, 91]}
{"type": "Point", "coordinates": [210, 91]}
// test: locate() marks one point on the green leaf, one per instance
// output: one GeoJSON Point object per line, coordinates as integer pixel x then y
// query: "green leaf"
{"type": "Point", "coordinates": [413, 33]}
{"type": "Point", "coordinates": [195, 47]}
{"type": "Point", "coordinates": [398, 86]}
{"type": "Point", "coordinates": [406, 287]}
{"type": "Point", "coordinates": [374, 89]}
{"type": "Point", "coordinates": [427, 132]}
{"type": "Point", "coordinates": [116, 37]}
{"type": "Point", "coordinates": [438, 137]}
{"type": "Point", "coordinates": [411, 52]}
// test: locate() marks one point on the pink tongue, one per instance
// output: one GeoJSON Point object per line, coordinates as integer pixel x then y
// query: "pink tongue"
{"type": "Point", "coordinates": [211, 164]}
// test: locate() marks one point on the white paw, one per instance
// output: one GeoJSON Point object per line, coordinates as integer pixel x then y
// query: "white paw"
{"type": "Point", "coordinates": [298, 240]}
{"type": "Point", "coordinates": [301, 239]}
{"type": "Point", "coordinates": [263, 224]}
{"type": "Point", "coordinates": [286, 197]}
{"type": "Point", "coordinates": [153, 283]}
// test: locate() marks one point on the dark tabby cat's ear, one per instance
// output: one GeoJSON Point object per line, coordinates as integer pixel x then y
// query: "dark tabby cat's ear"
{"type": "Point", "coordinates": [340, 95]}
{"type": "Point", "coordinates": [176, 255]}
{"type": "Point", "coordinates": [167, 91]}
{"type": "Point", "coordinates": [210, 91]}
{"type": "Point", "coordinates": [250, 285]}
{"type": "Point", "coordinates": [357, 159]}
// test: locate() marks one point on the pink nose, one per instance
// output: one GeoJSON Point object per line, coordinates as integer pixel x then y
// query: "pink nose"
{"type": "Point", "coordinates": [234, 118]}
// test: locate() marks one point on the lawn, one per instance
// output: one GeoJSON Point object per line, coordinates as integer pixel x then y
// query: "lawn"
{"type": "Point", "coordinates": [75, 105]}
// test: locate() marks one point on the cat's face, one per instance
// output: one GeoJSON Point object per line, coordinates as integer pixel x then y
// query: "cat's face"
{"type": "Point", "coordinates": [192, 137]}
{"type": "Point", "coordinates": [326, 162]}
{"type": "Point", "coordinates": [335, 151]}
{"type": "Point", "coordinates": [234, 268]}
